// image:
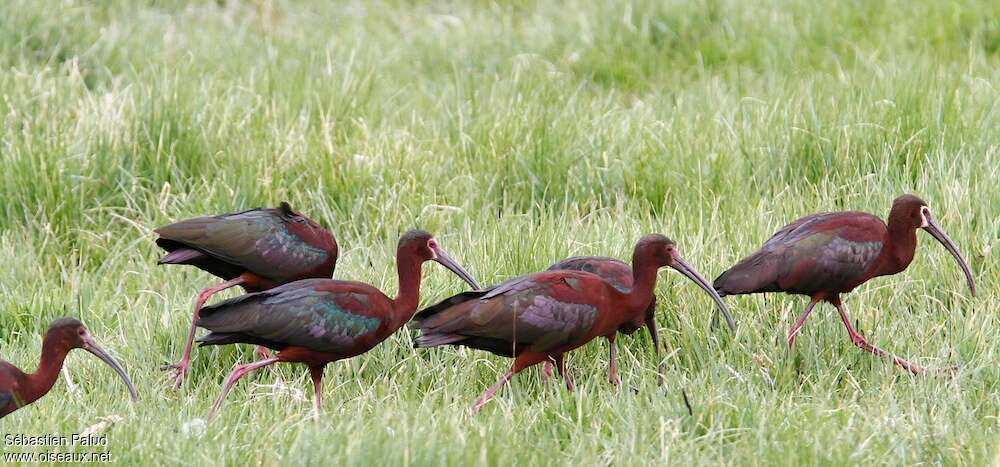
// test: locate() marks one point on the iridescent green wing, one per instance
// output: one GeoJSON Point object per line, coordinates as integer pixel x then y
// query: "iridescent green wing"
{"type": "Point", "coordinates": [320, 314]}
{"type": "Point", "coordinates": [263, 241]}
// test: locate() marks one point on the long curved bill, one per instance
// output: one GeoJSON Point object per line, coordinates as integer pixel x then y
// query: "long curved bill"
{"type": "Point", "coordinates": [441, 257]}
{"type": "Point", "coordinates": [936, 232]}
{"type": "Point", "coordinates": [686, 269]}
{"type": "Point", "coordinates": [98, 352]}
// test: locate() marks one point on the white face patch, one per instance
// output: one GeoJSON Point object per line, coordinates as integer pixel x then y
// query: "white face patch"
{"type": "Point", "coordinates": [925, 215]}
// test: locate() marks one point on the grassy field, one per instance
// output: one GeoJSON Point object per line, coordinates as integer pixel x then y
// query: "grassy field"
{"type": "Point", "coordinates": [519, 133]}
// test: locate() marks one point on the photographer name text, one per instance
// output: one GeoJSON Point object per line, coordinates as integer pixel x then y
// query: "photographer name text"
{"type": "Point", "coordinates": [54, 440]}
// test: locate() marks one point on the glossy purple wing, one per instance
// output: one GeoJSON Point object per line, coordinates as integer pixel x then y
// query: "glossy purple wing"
{"type": "Point", "coordinates": [9, 376]}
{"type": "Point", "coordinates": [617, 273]}
{"type": "Point", "coordinates": [824, 252]}
{"type": "Point", "coordinates": [521, 314]}
{"type": "Point", "coordinates": [277, 244]}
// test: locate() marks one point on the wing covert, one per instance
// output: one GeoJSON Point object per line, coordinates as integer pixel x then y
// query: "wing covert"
{"type": "Point", "coordinates": [258, 240]}
{"type": "Point", "coordinates": [325, 321]}
{"type": "Point", "coordinates": [520, 311]}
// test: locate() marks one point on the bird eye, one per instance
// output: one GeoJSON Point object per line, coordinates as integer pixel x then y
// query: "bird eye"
{"type": "Point", "coordinates": [82, 332]}
{"type": "Point", "coordinates": [432, 244]}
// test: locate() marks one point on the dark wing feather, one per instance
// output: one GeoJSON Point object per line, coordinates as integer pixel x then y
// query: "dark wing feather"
{"type": "Point", "coordinates": [522, 313]}
{"type": "Point", "coordinates": [826, 252]}
{"type": "Point", "coordinates": [466, 296]}
{"type": "Point", "coordinates": [258, 240]}
{"type": "Point", "coordinates": [10, 375]}
{"type": "Point", "coordinates": [450, 302]}
{"type": "Point", "coordinates": [181, 255]}
{"type": "Point", "coordinates": [617, 273]}
{"type": "Point", "coordinates": [796, 229]}
{"type": "Point", "coordinates": [320, 314]}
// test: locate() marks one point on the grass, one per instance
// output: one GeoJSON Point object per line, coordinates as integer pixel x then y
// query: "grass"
{"type": "Point", "coordinates": [520, 133]}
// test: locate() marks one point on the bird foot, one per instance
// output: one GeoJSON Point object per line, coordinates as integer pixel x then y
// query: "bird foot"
{"type": "Point", "coordinates": [659, 374]}
{"type": "Point", "coordinates": [180, 371]}
{"type": "Point", "coordinates": [948, 371]}
{"type": "Point", "coordinates": [916, 370]}
{"type": "Point", "coordinates": [477, 407]}
{"type": "Point", "coordinates": [859, 340]}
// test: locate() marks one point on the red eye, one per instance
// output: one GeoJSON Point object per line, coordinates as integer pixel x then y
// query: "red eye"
{"type": "Point", "coordinates": [82, 331]}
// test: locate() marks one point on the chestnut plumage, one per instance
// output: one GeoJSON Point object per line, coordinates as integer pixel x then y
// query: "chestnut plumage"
{"type": "Point", "coordinates": [319, 321]}
{"type": "Point", "coordinates": [543, 315]}
{"type": "Point", "coordinates": [828, 254]}
{"type": "Point", "coordinates": [256, 249]}
{"type": "Point", "coordinates": [619, 274]}
{"type": "Point", "coordinates": [18, 389]}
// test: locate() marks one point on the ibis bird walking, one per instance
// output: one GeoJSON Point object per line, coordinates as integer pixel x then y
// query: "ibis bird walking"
{"type": "Point", "coordinates": [543, 315]}
{"type": "Point", "coordinates": [18, 389]}
{"type": "Point", "coordinates": [619, 274]}
{"type": "Point", "coordinates": [829, 254]}
{"type": "Point", "coordinates": [256, 249]}
{"type": "Point", "coordinates": [319, 321]}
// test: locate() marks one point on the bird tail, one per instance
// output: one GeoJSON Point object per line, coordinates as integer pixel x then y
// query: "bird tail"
{"type": "Point", "coordinates": [181, 256]}
{"type": "Point", "coordinates": [755, 273]}
{"type": "Point", "coordinates": [218, 338]}
{"type": "Point", "coordinates": [223, 338]}
{"type": "Point", "coordinates": [448, 303]}
{"type": "Point", "coordinates": [434, 340]}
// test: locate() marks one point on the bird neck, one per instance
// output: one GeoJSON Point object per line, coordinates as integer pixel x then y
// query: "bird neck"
{"type": "Point", "coordinates": [408, 298]}
{"type": "Point", "coordinates": [899, 246]}
{"type": "Point", "coordinates": [643, 284]}
{"type": "Point", "coordinates": [41, 381]}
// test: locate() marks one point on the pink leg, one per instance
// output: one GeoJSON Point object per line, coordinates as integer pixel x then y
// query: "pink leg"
{"type": "Point", "coordinates": [794, 331]}
{"type": "Point", "coordinates": [522, 361]}
{"type": "Point", "coordinates": [859, 340]}
{"type": "Point", "coordinates": [561, 366]}
{"type": "Point", "coordinates": [546, 371]}
{"type": "Point", "coordinates": [317, 376]}
{"type": "Point", "coordinates": [180, 368]}
{"type": "Point", "coordinates": [238, 372]}
{"type": "Point", "coordinates": [492, 390]}
{"type": "Point", "coordinates": [613, 377]}
{"type": "Point", "coordinates": [264, 353]}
